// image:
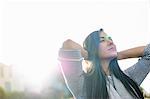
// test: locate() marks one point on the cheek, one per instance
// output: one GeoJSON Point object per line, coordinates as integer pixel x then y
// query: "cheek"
{"type": "Point", "coordinates": [105, 53]}
{"type": "Point", "coordinates": [102, 51]}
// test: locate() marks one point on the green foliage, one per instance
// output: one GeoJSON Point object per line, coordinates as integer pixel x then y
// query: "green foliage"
{"type": "Point", "coordinates": [15, 95]}
{"type": "Point", "coordinates": [2, 93]}
{"type": "Point", "coordinates": [51, 94]}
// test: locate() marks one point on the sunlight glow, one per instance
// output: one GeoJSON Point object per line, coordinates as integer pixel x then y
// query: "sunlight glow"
{"type": "Point", "coordinates": [34, 32]}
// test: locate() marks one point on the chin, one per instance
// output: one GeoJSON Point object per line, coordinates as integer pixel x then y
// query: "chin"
{"type": "Point", "coordinates": [112, 55]}
{"type": "Point", "coordinates": [109, 55]}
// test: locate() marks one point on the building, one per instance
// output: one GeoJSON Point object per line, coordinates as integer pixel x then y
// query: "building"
{"type": "Point", "coordinates": [9, 80]}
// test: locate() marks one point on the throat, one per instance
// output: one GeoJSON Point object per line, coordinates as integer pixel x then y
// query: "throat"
{"type": "Point", "coordinates": [107, 72]}
{"type": "Point", "coordinates": [105, 66]}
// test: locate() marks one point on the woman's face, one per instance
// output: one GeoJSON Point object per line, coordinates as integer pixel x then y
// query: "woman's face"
{"type": "Point", "coordinates": [107, 49]}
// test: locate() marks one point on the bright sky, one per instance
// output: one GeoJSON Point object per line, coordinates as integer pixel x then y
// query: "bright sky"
{"type": "Point", "coordinates": [32, 31]}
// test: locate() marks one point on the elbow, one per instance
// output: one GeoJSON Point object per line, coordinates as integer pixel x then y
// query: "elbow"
{"type": "Point", "coordinates": [67, 44]}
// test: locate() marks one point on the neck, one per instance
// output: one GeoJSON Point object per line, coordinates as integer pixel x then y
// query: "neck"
{"type": "Point", "coordinates": [105, 66]}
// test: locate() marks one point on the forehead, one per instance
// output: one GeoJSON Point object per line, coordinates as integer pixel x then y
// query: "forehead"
{"type": "Point", "coordinates": [102, 34]}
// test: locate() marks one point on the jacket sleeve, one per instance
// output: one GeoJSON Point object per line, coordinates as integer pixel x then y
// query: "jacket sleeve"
{"type": "Point", "coordinates": [139, 71]}
{"type": "Point", "coordinates": [71, 66]}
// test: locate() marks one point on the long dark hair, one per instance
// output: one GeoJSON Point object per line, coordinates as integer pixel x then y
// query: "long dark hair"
{"type": "Point", "coordinates": [95, 83]}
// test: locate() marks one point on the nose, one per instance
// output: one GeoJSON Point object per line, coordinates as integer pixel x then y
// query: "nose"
{"type": "Point", "coordinates": [110, 42]}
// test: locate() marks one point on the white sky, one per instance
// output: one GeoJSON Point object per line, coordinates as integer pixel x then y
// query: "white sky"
{"type": "Point", "coordinates": [32, 31]}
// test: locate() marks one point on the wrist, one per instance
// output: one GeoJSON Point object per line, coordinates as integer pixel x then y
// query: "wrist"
{"type": "Point", "coordinates": [120, 56]}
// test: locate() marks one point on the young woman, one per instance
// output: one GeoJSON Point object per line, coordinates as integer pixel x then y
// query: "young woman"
{"type": "Point", "coordinates": [92, 71]}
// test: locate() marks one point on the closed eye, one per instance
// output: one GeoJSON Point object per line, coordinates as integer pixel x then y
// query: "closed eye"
{"type": "Point", "coordinates": [102, 40]}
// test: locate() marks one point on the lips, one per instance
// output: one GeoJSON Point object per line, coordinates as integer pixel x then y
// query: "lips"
{"type": "Point", "coordinates": [111, 48]}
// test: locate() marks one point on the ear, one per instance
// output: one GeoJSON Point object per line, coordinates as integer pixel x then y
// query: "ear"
{"type": "Point", "coordinates": [86, 66]}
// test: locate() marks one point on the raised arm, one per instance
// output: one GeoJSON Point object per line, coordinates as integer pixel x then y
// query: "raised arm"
{"type": "Point", "coordinates": [139, 70]}
{"type": "Point", "coordinates": [71, 45]}
{"type": "Point", "coordinates": [70, 56]}
{"type": "Point", "coordinates": [131, 53]}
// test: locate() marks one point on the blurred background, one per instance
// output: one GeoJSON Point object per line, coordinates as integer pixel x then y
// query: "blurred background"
{"type": "Point", "coordinates": [32, 31]}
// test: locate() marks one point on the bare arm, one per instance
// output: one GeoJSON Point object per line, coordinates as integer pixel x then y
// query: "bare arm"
{"type": "Point", "coordinates": [131, 53]}
{"type": "Point", "coordinates": [70, 44]}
